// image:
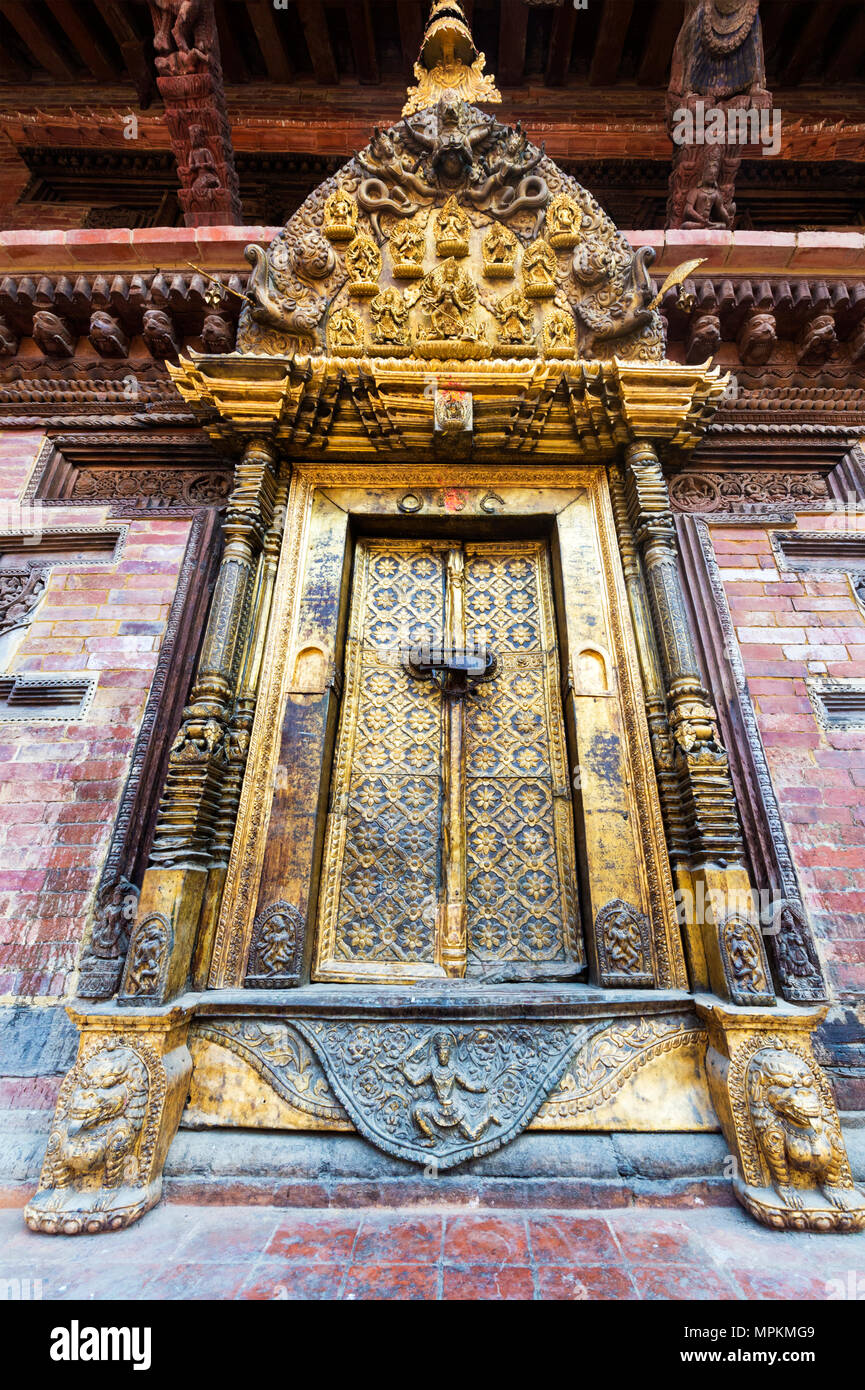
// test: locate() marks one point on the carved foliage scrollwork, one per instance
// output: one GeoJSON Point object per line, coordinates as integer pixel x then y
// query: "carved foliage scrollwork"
{"type": "Point", "coordinates": [739, 490]}
{"type": "Point", "coordinates": [20, 592]}
{"type": "Point", "coordinates": [283, 1059]}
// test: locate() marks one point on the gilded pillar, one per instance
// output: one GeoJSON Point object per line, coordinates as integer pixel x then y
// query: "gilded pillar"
{"type": "Point", "coordinates": [725, 947]}
{"type": "Point", "coordinates": [197, 802]}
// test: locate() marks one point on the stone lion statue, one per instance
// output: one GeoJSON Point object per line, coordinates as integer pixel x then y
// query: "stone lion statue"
{"type": "Point", "coordinates": [798, 1140]}
{"type": "Point", "coordinates": [96, 1135]}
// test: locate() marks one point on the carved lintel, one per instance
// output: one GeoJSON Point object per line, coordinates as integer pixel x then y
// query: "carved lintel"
{"type": "Point", "coordinates": [117, 1113]}
{"type": "Point", "coordinates": [779, 1118]}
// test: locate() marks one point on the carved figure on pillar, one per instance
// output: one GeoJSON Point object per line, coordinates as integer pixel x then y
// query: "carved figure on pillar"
{"type": "Point", "coordinates": [189, 77]}
{"type": "Point", "coordinates": [717, 67]}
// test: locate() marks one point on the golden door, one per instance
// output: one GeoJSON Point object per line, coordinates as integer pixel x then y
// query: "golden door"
{"type": "Point", "coordinates": [449, 848]}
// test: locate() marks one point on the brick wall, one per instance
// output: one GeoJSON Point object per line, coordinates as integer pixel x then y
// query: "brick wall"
{"type": "Point", "coordinates": [791, 625]}
{"type": "Point", "coordinates": [60, 783]}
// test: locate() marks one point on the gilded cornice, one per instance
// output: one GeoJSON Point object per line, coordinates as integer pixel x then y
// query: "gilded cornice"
{"type": "Point", "coordinates": [386, 406]}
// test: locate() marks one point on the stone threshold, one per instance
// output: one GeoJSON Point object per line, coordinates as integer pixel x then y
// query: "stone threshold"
{"type": "Point", "coordinates": [293, 1169]}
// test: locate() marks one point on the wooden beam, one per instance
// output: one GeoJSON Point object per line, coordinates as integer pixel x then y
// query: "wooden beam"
{"type": "Point", "coordinates": [37, 38]}
{"type": "Point", "coordinates": [137, 52]}
{"type": "Point", "coordinates": [360, 31]}
{"type": "Point", "coordinates": [231, 58]}
{"type": "Point", "coordinates": [513, 26]}
{"type": "Point", "coordinates": [410, 30]}
{"type": "Point", "coordinates": [92, 53]}
{"type": "Point", "coordinates": [849, 58]}
{"type": "Point", "coordinates": [561, 43]}
{"type": "Point", "coordinates": [654, 69]}
{"type": "Point", "coordinates": [264, 21]}
{"type": "Point", "coordinates": [314, 21]}
{"type": "Point", "coordinates": [810, 40]}
{"type": "Point", "coordinates": [610, 42]}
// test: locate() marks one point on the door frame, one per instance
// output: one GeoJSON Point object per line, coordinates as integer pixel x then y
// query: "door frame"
{"type": "Point", "coordinates": [278, 843]}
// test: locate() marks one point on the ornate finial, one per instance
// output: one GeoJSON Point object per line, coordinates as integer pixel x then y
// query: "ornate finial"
{"type": "Point", "coordinates": [449, 65]}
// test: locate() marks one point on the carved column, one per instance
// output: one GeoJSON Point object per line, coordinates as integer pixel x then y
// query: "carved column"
{"type": "Point", "coordinates": [653, 686]}
{"type": "Point", "coordinates": [237, 739]}
{"type": "Point", "coordinates": [190, 82]}
{"type": "Point", "coordinates": [194, 805]}
{"type": "Point", "coordinates": [722, 932]}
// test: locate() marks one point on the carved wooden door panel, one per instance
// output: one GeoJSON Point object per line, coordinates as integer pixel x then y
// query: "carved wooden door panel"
{"type": "Point", "coordinates": [450, 846]}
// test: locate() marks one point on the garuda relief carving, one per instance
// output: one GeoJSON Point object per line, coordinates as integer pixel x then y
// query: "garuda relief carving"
{"type": "Point", "coordinates": [430, 1092]}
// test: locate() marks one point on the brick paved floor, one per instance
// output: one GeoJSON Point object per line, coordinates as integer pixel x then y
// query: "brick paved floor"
{"type": "Point", "coordinates": [183, 1252]}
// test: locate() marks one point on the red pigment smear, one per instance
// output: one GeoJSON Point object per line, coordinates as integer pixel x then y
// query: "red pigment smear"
{"type": "Point", "coordinates": [455, 498]}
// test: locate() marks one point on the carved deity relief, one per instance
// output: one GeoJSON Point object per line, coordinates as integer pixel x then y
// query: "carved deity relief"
{"type": "Point", "coordinates": [449, 298]}
{"type": "Point", "coordinates": [559, 333]}
{"type": "Point", "coordinates": [151, 942]}
{"type": "Point", "coordinates": [423, 1091]}
{"type": "Point", "coordinates": [340, 216]}
{"type": "Point", "coordinates": [499, 251]}
{"type": "Point", "coordinates": [717, 62]}
{"type": "Point", "coordinates": [363, 263]}
{"type": "Point", "coordinates": [516, 319]}
{"type": "Point", "coordinates": [449, 64]}
{"type": "Point", "coordinates": [539, 270]}
{"type": "Point", "coordinates": [345, 333]}
{"type": "Point", "coordinates": [407, 247]}
{"type": "Point", "coordinates": [743, 958]}
{"type": "Point", "coordinates": [276, 948]}
{"type": "Point", "coordinates": [564, 220]}
{"type": "Point", "coordinates": [389, 314]}
{"type": "Point", "coordinates": [623, 943]}
{"type": "Point", "coordinates": [451, 230]}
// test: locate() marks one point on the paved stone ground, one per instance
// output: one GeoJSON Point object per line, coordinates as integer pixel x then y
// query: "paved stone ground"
{"type": "Point", "coordinates": [192, 1252]}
